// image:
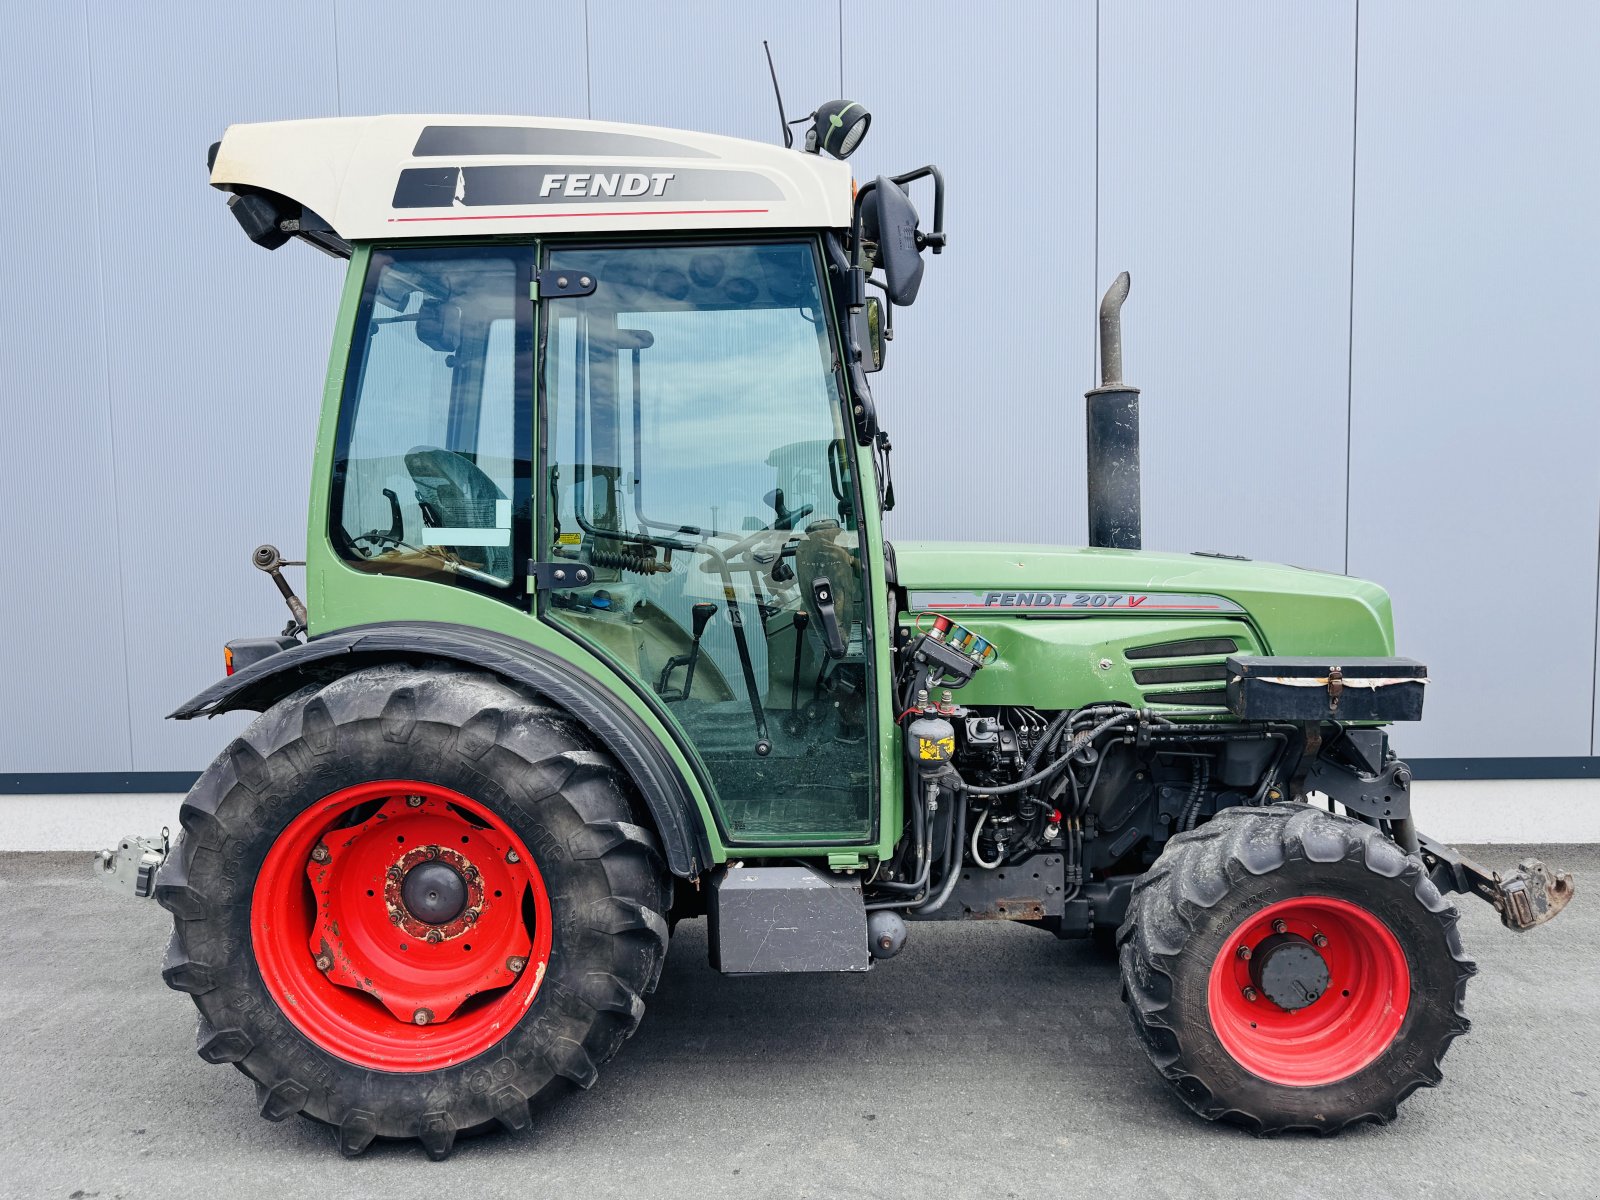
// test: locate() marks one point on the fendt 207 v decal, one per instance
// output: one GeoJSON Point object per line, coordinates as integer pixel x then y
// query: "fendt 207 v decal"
{"type": "Point", "coordinates": [1162, 602]}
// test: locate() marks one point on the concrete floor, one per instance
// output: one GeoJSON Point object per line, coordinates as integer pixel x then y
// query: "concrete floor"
{"type": "Point", "coordinates": [986, 1061]}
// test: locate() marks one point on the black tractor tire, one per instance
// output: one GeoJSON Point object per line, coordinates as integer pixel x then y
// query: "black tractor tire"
{"type": "Point", "coordinates": [528, 764]}
{"type": "Point", "coordinates": [1208, 885]}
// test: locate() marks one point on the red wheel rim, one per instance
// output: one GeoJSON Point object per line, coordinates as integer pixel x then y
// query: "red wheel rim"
{"type": "Point", "coordinates": [362, 974]}
{"type": "Point", "coordinates": [1346, 1027]}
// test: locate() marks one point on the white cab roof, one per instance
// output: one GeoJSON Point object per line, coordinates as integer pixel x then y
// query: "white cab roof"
{"type": "Point", "coordinates": [447, 176]}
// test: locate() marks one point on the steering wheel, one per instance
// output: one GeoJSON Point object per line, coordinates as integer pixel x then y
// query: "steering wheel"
{"type": "Point", "coordinates": [742, 555]}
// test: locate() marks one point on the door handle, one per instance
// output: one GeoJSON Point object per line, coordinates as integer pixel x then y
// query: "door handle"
{"type": "Point", "coordinates": [822, 597]}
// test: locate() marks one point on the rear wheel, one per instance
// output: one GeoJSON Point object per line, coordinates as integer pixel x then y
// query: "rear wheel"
{"type": "Point", "coordinates": [1291, 969]}
{"type": "Point", "coordinates": [408, 902]}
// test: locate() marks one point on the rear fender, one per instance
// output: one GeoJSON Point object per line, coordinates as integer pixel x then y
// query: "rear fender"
{"type": "Point", "coordinates": [636, 747]}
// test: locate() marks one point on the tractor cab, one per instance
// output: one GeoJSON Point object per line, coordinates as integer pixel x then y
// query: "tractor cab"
{"type": "Point", "coordinates": [613, 381]}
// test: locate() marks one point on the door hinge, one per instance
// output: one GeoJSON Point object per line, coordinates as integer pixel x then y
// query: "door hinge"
{"type": "Point", "coordinates": [551, 576]}
{"type": "Point", "coordinates": [551, 284]}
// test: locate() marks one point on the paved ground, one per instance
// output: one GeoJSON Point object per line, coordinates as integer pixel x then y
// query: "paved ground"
{"type": "Point", "coordinates": [987, 1061]}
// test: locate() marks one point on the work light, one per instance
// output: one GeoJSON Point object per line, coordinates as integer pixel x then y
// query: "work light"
{"type": "Point", "coordinates": [838, 127]}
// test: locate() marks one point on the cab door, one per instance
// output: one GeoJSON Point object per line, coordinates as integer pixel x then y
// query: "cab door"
{"type": "Point", "coordinates": [696, 462]}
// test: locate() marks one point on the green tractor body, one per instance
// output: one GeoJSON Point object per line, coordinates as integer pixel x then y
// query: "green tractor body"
{"type": "Point", "coordinates": [601, 631]}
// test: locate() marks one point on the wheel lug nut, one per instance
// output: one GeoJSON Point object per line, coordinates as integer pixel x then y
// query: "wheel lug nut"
{"type": "Point", "coordinates": [414, 801]}
{"type": "Point", "coordinates": [1280, 926]}
{"type": "Point", "coordinates": [512, 856]}
{"type": "Point", "coordinates": [1244, 953]}
{"type": "Point", "coordinates": [470, 915]}
{"type": "Point", "coordinates": [394, 873]}
{"type": "Point", "coordinates": [324, 962]}
{"type": "Point", "coordinates": [395, 918]}
{"type": "Point", "coordinates": [422, 1016]}
{"type": "Point", "coordinates": [431, 852]}
{"type": "Point", "coordinates": [515, 964]}
{"type": "Point", "coordinates": [1250, 994]}
{"type": "Point", "coordinates": [435, 936]}
{"type": "Point", "coordinates": [1319, 940]}
{"type": "Point", "coordinates": [319, 853]}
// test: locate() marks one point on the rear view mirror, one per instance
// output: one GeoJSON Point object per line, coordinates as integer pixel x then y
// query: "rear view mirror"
{"type": "Point", "coordinates": [890, 220]}
{"type": "Point", "coordinates": [439, 326]}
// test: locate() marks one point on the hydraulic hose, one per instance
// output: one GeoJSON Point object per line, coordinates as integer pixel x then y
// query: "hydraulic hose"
{"type": "Point", "coordinates": [1078, 742]}
{"type": "Point", "coordinates": [952, 856]}
{"type": "Point", "coordinates": [977, 855]}
{"type": "Point", "coordinates": [922, 836]}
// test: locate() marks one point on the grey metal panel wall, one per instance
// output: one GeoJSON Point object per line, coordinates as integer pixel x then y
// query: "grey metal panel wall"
{"type": "Point", "coordinates": [700, 66]}
{"type": "Point", "coordinates": [62, 666]}
{"type": "Point", "coordinates": [1474, 482]}
{"type": "Point", "coordinates": [217, 350]}
{"type": "Point", "coordinates": [1225, 147]}
{"type": "Point", "coordinates": [983, 387]}
{"type": "Point", "coordinates": [162, 376]}
{"type": "Point", "coordinates": [499, 57]}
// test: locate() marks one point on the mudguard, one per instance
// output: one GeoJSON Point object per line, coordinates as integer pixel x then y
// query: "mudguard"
{"type": "Point", "coordinates": [640, 752]}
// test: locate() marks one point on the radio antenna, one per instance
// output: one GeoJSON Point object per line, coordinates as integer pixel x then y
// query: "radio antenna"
{"type": "Point", "coordinates": [783, 118]}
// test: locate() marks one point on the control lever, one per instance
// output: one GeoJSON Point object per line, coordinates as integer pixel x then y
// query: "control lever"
{"type": "Point", "coordinates": [701, 617]}
{"type": "Point", "coordinates": [802, 620]}
{"type": "Point", "coordinates": [822, 596]}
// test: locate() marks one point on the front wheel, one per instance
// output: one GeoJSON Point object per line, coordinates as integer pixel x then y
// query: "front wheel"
{"type": "Point", "coordinates": [408, 902]}
{"type": "Point", "coordinates": [1291, 969]}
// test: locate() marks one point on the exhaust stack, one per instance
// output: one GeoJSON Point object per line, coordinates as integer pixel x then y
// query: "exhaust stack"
{"type": "Point", "coordinates": [1115, 514]}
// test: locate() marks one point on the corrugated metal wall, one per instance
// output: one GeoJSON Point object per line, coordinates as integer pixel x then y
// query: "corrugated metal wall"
{"type": "Point", "coordinates": [1363, 314]}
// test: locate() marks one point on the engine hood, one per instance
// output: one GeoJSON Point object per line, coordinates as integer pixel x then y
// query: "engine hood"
{"type": "Point", "coordinates": [1295, 611]}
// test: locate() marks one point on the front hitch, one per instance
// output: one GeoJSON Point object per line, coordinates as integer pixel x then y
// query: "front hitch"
{"type": "Point", "coordinates": [1528, 896]}
{"type": "Point", "coordinates": [132, 866]}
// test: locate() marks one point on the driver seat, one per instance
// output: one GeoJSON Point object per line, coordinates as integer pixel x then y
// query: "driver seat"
{"type": "Point", "coordinates": [454, 493]}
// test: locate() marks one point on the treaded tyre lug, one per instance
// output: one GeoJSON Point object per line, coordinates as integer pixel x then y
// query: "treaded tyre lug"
{"type": "Point", "coordinates": [356, 1131]}
{"type": "Point", "coordinates": [527, 802]}
{"type": "Point", "coordinates": [511, 1110]}
{"type": "Point", "coordinates": [1256, 1049]}
{"type": "Point", "coordinates": [221, 1045]}
{"type": "Point", "coordinates": [437, 1135]}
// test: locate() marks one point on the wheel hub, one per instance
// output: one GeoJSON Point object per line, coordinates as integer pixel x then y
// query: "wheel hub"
{"type": "Point", "coordinates": [1287, 969]}
{"type": "Point", "coordinates": [421, 890]}
{"type": "Point", "coordinates": [434, 893]}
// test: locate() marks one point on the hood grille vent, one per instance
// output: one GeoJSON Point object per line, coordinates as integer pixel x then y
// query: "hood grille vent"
{"type": "Point", "coordinates": [1193, 648]}
{"type": "Point", "coordinates": [1205, 665]}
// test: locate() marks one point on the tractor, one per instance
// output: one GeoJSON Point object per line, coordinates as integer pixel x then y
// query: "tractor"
{"type": "Point", "coordinates": [601, 632]}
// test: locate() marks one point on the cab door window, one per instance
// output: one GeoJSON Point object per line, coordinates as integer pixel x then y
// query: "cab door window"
{"type": "Point", "coordinates": [699, 462]}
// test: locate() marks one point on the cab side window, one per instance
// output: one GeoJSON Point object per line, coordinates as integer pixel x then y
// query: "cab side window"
{"type": "Point", "coordinates": [426, 473]}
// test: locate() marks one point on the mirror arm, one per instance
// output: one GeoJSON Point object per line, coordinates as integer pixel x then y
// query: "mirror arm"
{"type": "Point", "coordinates": [858, 274]}
{"type": "Point", "coordinates": [936, 239]}
{"type": "Point", "coordinates": [888, 309]}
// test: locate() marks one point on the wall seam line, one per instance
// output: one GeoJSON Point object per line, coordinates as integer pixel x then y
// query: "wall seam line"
{"type": "Point", "coordinates": [105, 365]}
{"type": "Point", "coordinates": [1350, 325]}
{"type": "Point", "coordinates": [1594, 665]}
{"type": "Point", "coordinates": [841, 47]}
{"type": "Point", "coordinates": [588, 68]}
{"type": "Point", "coordinates": [1094, 290]}
{"type": "Point", "coordinates": [338, 82]}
